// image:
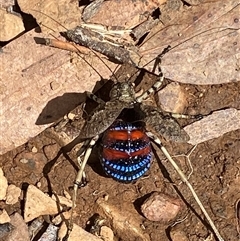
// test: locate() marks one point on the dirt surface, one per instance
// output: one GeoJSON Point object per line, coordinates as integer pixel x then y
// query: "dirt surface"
{"type": "Point", "coordinates": [214, 168]}
{"type": "Point", "coordinates": [215, 178]}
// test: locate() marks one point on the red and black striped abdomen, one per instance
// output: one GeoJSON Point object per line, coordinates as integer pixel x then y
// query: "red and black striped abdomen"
{"type": "Point", "coordinates": [126, 154]}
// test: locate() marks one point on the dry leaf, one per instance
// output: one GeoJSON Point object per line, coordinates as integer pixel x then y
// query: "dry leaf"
{"type": "Point", "coordinates": [54, 15]}
{"type": "Point", "coordinates": [213, 126]}
{"type": "Point", "coordinates": [204, 42]}
{"type": "Point", "coordinates": [123, 14]}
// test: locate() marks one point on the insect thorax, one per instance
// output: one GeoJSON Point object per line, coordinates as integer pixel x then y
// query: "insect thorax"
{"type": "Point", "coordinates": [123, 92]}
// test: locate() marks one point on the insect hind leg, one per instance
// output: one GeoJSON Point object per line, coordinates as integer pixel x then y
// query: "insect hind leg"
{"type": "Point", "coordinates": [81, 175]}
{"type": "Point", "coordinates": [183, 116]}
{"type": "Point", "coordinates": [151, 90]}
{"type": "Point", "coordinates": [95, 98]}
{"type": "Point", "coordinates": [185, 180]}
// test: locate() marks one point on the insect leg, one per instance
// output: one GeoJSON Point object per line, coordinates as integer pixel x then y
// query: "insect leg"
{"type": "Point", "coordinates": [80, 153]}
{"type": "Point", "coordinates": [182, 116]}
{"type": "Point", "coordinates": [79, 177]}
{"type": "Point", "coordinates": [151, 90]}
{"type": "Point", "coordinates": [184, 179]}
{"type": "Point", "coordinates": [95, 98]}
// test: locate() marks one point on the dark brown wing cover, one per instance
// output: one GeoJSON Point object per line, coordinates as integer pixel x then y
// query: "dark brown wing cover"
{"type": "Point", "coordinates": [102, 119]}
{"type": "Point", "coordinates": [163, 124]}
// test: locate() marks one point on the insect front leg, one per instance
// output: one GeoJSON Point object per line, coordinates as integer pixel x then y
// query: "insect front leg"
{"type": "Point", "coordinates": [183, 116]}
{"type": "Point", "coordinates": [185, 180]}
{"type": "Point", "coordinates": [80, 175]}
{"type": "Point", "coordinates": [95, 98]}
{"type": "Point", "coordinates": [82, 152]}
{"type": "Point", "coordinates": [151, 90]}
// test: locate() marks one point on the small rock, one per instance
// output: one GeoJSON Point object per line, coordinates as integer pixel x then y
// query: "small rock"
{"type": "Point", "coordinates": [13, 193]}
{"type": "Point", "coordinates": [5, 230]}
{"type": "Point", "coordinates": [178, 235]}
{"type": "Point", "coordinates": [172, 98]}
{"type": "Point", "coordinates": [76, 234]}
{"type": "Point", "coordinates": [3, 185]}
{"type": "Point", "coordinates": [61, 217]}
{"type": "Point", "coordinates": [31, 161]}
{"type": "Point", "coordinates": [37, 204]}
{"type": "Point", "coordinates": [4, 218]}
{"type": "Point", "coordinates": [106, 233]}
{"type": "Point", "coordinates": [125, 219]}
{"type": "Point", "coordinates": [10, 25]}
{"type": "Point", "coordinates": [62, 200]}
{"type": "Point", "coordinates": [38, 184]}
{"type": "Point", "coordinates": [161, 207]}
{"type": "Point", "coordinates": [213, 126]}
{"type": "Point", "coordinates": [71, 116]}
{"type": "Point", "coordinates": [35, 226]}
{"type": "Point", "coordinates": [50, 234]}
{"type": "Point", "coordinates": [20, 231]}
{"type": "Point", "coordinates": [34, 149]}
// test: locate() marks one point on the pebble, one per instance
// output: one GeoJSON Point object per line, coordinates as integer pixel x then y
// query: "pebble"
{"type": "Point", "coordinates": [10, 25]}
{"type": "Point", "coordinates": [34, 149]}
{"type": "Point", "coordinates": [172, 98]}
{"type": "Point", "coordinates": [3, 185]}
{"type": "Point", "coordinates": [77, 234]}
{"type": "Point", "coordinates": [35, 226]}
{"type": "Point", "coordinates": [13, 193]}
{"type": "Point", "coordinates": [20, 230]}
{"type": "Point", "coordinates": [125, 219]}
{"type": "Point", "coordinates": [4, 218]}
{"type": "Point", "coordinates": [5, 229]}
{"type": "Point", "coordinates": [37, 203]}
{"type": "Point", "coordinates": [161, 207]}
{"type": "Point", "coordinates": [106, 233]}
{"type": "Point", "coordinates": [50, 234]}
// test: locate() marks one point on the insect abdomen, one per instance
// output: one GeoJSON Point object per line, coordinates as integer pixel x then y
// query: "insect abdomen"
{"type": "Point", "coordinates": [126, 154]}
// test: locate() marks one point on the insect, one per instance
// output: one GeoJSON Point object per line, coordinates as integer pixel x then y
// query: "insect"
{"type": "Point", "coordinates": [126, 127]}
{"type": "Point", "coordinates": [124, 124]}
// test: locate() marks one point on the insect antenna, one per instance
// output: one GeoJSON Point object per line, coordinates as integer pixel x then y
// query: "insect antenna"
{"type": "Point", "coordinates": [169, 47]}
